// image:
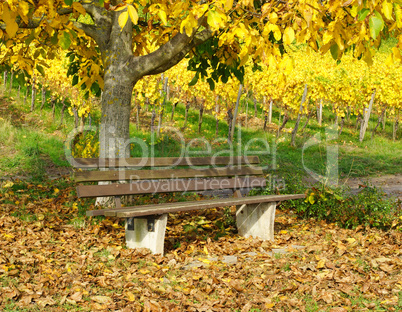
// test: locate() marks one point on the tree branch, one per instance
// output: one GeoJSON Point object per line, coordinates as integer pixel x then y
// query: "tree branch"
{"type": "Point", "coordinates": [170, 53]}
{"type": "Point", "coordinates": [197, 40]}
{"type": "Point", "coordinates": [90, 30]}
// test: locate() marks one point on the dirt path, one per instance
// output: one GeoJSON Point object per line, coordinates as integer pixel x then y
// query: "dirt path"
{"type": "Point", "coordinates": [390, 184]}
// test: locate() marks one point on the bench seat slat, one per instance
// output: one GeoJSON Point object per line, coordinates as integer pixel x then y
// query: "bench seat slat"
{"type": "Point", "coordinates": [168, 186]}
{"type": "Point", "coordinates": [116, 175]}
{"type": "Point", "coordinates": [163, 161]}
{"type": "Point", "coordinates": [146, 210]}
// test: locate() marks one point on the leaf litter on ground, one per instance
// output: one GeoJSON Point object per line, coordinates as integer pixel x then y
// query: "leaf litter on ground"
{"type": "Point", "coordinates": [53, 259]}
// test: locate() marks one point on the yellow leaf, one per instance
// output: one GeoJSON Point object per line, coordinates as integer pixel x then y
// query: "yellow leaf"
{"type": "Point", "coordinates": [133, 14]}
{"type": "Point", "coordinates": [79, 8]}
{"type": "Point", "coordinates": [321, 264]}
{"type": "Point", "coordinates": [288, 35]}
{"type": "Point", "coordinates": [123, 18]}
{"type": "Point", "coordinates": [130, 296]}
{"type": "Point", "coordinates": [387, 9]}
{"type": "Point", "coordinates": [163, 17]}
{"type": "Point", "coordinates": [23, 8]}
{"type": "Point", "coordinates": [8, 184]}
{"type": "Point", "coordinates": [396, 54]}
{"type": "Point", "coordinates": [228, 4]}
{"type": "Point", "coordinates": [9, 18]}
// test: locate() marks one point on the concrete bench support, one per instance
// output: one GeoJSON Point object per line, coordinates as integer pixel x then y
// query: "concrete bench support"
{"type": "Point", "coordinates": [256, 220]}
{"type": "Point", "coordinates": [146, 233]}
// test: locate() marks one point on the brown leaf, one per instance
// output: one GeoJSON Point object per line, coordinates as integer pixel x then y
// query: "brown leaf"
{"type": "Point", "coordinates": [247, 307]}
{"type": "Point", "coordinates": [338, 309]}
{"type": "Point", "coordinates": [77, 296]}
{"type": "Point", "coordinates": [102, 299]}
{"type": "Point", "coordinates": [236, 285]}
{"type": "Point", "coordinates": [46, 301]}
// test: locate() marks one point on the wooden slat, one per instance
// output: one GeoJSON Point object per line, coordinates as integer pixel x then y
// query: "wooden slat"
{"type": "Point", "coordinates": [168, 186]}
{"type": "Point", "coordinates": [119, 175]}
{"type": "Point", "coordinates": [146, 210]}
{"type": "Point", "coordinates": [88, 163]}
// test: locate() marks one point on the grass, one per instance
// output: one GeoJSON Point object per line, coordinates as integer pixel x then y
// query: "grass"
{"type": "Point", "coordinates": [31, 141]}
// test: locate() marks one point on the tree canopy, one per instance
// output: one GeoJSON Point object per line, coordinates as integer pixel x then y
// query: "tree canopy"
{"type": "Point", "coordinates": [114, 43]}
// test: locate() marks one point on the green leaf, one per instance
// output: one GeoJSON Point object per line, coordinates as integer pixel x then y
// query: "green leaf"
{"type": "Point", "coordinates": [376, 25]}
{"type": "Point", "coordinates": [54, 38]}
{"type": "Point", "coordinates": [362, 14]}
{"type": "Point", "coordinates": [40, 69]}
{"type": "Point", "coordinates": [65, 41]}
{"type": "Point", "coordinates": [211, 83]}
{"type": "Point", "coordinates": [30, 38]}
{"type": "Point", "coordinates": [75, 80]}
{"type": "Point", "coordinates": [334, 51]}
{"type": "Point", "coordinates": [194, 80]}
{"type": "Point", "coordinates": [68, 2]}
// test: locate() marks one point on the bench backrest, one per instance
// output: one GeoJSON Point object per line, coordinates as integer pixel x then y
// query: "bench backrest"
{"type": "Point", "coordinates": [167, 174]}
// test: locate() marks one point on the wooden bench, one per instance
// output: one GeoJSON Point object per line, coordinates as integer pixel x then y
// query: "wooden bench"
{"type": "Point", "coordinates": [146, 224]}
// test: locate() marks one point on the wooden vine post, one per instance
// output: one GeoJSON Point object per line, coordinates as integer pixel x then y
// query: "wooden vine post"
{"type": "Point", "coordinates": [232, 129]}
{"type": "Point", "coordinates": [270, 111]}
{"type": "Point", "coordinates": [366, 118]}
{"type": "Point", "coordinates": [216, 115]}
{"type": "Point", "coordinates": [299, 116]}
{"type": "Point", "coordinates": [319, 114]}
{"type": "Point", "coordinates": [33, 95]}
{"type": "Point", "coordinates": [200, 116]}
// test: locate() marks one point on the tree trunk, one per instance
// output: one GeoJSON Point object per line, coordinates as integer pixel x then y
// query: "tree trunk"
{"type": "Point", "coordinates": [255, 107]}
{"type": "Point", "coordinates": [53, 100]}
{"type": "Point", "coordinates": [43, 97]}
{"type": "Point", "coordinates": [153, 117]}
{"type": "Point", "coordinates": [173, 109]}
{"type": "Point", "coordinates": [285, 120]}
{"type": "Point", "coordinates": [395, 128]}
{"type": "Point", "coordinates": [230, 124]}
{"type": "Point", "coordinates": [162, 110]}
{"type": "Point", "coordinates": [5, 74]}
{"type": "Point", "coordinates": [308, 119]}
{"type": "Point", "coordinates": [246, 113]}
{"type": "Point", "coordinates": [216, 116]}
{"type": "Point", "coordinates": [265, 120]}
{"type": "Point", "coordinates": [76, 119]}
{"type": "Point", "coordinates": [366, 118]}
{"type": "Point", "coordinates": [232, 129]}
{"type": "Point", "coordinates": [62, 111]}
{"type": "Point", "coordinates": [293, 143]}
{"type": "Point", "coordinates": [11, 81]}
{"type": "Point", "coordinates": [186, 116]}
{"type": "Point", "coordinates": [138, 114]}
{"type": "Point", "coordinates": [200, 117]}
{"type": "Point", "coordinates": [26, 95]}
{"type": "Point", "coordinates": [342, 122]}
{"type": "Point", "coordinates": [33, 95]}
{"type": "Point", "coordinates": [348, 113]}
{"type": "Point", "coordinates": [380, 119]}
{"type": "Point", "coordinates": [384, 120]}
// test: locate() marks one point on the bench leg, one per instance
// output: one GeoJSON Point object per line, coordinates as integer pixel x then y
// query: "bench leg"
{"type": "Point", "coordinates": [142, 233]}
{"type": "Point", "coordinates": [256, 220]}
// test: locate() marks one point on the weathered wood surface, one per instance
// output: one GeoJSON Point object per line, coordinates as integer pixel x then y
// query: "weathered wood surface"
{"type": "Point", "coordinates": [88, 163]}
{"type": "Point", "coordinates": [119, 175]}
{"type": "Point", "coordinates": [168, 186]}
{"type": "Point", "coordinates": [146, 210]}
